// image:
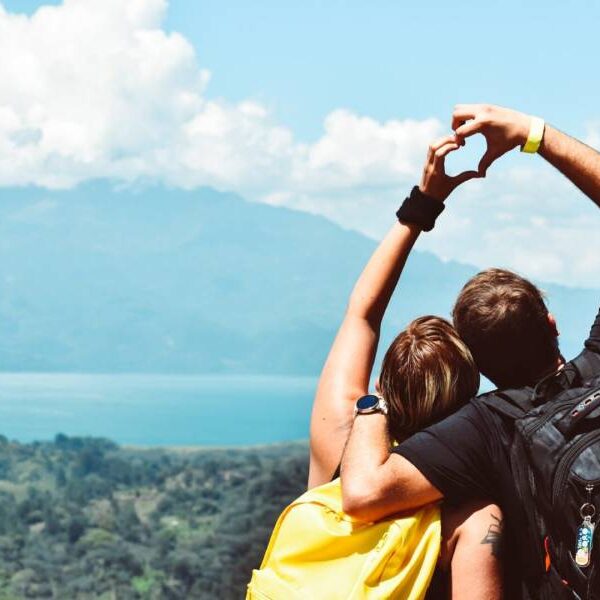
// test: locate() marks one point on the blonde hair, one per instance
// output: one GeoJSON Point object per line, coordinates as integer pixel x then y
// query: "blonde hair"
{"type": "Point", "coordinates": [427, 373]}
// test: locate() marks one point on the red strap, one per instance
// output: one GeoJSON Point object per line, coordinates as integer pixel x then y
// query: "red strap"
{"type": "Point", "coordinates": [547, 549]}
{"type": "Point", "coordinates": [547, 560]}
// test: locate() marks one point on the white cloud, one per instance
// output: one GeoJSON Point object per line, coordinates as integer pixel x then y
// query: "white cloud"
{"type": "Point", "coordinates": [97, 88]}
{"type": "Point", "coordinates": [92, 88]}
{"type": "Point", "coordinates": [530, 219]}
{"type": "Point", "coordinates": [357, 151]}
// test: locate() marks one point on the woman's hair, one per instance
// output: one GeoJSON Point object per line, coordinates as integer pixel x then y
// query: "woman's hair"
{"type": "Point", "coordinates": [427, 373]}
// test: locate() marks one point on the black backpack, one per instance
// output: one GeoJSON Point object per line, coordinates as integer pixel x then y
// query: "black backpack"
{"type": "Point", "coordinates": [555, 459]}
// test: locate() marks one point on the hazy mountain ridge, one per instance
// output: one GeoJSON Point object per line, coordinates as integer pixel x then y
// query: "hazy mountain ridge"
{"type": "Point", "coordinates": [96, 279]}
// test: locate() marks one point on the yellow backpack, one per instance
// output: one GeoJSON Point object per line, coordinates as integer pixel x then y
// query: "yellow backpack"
{"type": "Point", "coordinates": [318, 552]}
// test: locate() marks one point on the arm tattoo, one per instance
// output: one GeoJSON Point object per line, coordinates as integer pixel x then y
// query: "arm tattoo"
{"type": "Point", "coordinates": [494, 535]}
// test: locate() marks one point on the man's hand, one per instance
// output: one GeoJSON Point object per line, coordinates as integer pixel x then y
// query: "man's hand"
{"type": "Point", "coordinates": [503, 129]}
{"type": "Point", "coordinates": [435, 182]}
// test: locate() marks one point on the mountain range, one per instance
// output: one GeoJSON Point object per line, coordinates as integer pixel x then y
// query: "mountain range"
{"type": "Point", "coordinates": [152, 279]}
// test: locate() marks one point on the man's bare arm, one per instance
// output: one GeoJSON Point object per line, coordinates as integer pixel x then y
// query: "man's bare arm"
{"type": "Point", "coordinates": [376, 483]}
{"type": "Point", "coordinates": [505, 129]}
{"type": "Point", "coordinates": [575, 160]}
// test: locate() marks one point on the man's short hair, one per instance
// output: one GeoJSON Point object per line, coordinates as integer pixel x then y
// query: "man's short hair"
{"type": "Point", "coordinates": [503, 319]}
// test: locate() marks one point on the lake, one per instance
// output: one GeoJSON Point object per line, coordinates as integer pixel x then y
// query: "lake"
{"type": "Point", "coordinates": [166, 410]}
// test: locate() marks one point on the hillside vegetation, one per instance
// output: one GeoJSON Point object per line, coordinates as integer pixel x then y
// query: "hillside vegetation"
{"type": "Point", "coordinates": [81, 518]}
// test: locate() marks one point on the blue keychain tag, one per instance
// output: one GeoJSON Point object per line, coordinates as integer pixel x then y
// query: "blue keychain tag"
{"type": "Point", "coordinates": [585, 536]}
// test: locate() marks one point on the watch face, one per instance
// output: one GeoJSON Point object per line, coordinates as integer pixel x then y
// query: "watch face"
{"type": "Point", "coordinates": [367, 402]}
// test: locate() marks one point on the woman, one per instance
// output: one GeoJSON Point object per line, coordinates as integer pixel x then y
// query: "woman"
{"type": "Point", "coordinates": [427, 373]}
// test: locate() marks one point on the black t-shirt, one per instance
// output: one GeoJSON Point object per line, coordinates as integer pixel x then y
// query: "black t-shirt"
{"type": "Point", "coordinates": [466, 456]}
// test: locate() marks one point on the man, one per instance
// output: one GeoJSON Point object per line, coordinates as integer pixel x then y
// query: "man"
{"type": "Point", "coordinates": [513, 338]}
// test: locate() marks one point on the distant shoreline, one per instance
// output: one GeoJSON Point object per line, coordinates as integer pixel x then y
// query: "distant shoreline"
{"type": "Point", "coordinates": [198, 448]}
{"type": "Point", "coordinates": [175, 411]}
{"type": "Point", "coordinates": [203, 374]}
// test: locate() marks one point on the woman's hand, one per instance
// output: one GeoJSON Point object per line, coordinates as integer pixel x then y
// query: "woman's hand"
{"type": "Point", "coordinates": [435, 182]}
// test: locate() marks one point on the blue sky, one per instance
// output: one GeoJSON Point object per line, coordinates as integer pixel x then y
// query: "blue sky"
{"type": "Point", "coordinates": [387, 60]}
{"type": "Point", "coordinates": [304, 59]}
{"type": "Point", "coordinates": [324, 106]}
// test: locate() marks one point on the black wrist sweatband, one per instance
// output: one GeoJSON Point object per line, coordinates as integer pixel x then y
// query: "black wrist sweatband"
{"type": "Point", "coordinates": [420, 209]}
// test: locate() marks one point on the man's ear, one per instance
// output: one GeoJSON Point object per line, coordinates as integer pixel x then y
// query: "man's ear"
{"type": "Point", "coordinates": [552, 323]}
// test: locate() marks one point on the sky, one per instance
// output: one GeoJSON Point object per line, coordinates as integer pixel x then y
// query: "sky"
{"type": "Point", "coordinates": [322, 106]}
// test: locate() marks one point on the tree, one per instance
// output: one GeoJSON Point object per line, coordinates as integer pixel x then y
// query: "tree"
{"type": "Point", "coordinates": [75, 529]}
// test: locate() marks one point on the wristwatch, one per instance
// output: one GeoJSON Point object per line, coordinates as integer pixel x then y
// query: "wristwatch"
{"type": "Point", "coordinates": [371, 403]}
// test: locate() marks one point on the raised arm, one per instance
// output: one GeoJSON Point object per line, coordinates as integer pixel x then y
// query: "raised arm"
{"type": "Point", "coordinates": [505, 129]}
{"type": "Point", "coordinates": [347, 369]}
{"type": "Point", "coordinates": [574, 159]}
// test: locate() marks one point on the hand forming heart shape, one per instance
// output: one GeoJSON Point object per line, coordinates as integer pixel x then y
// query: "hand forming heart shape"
{"type": "Point", "coordinates": [468, 157]}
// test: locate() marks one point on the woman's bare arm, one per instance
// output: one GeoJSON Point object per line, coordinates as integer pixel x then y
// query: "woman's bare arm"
{"type": "Point", "coordinates": [347, 370]}
{"type": "Point", "coordinates": [348, 367]}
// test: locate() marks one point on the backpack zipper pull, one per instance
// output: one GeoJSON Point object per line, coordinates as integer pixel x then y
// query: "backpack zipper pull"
{"type": "Point", "coordinates": [589, 488]}
{"type": "Point", "coordinates": [585, 532]}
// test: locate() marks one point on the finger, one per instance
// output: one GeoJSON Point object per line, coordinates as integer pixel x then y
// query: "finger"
{"type": "Point", "coordinates": [487, 160]}
{"type": "Point", "coordinates": [440, 154]}
{"type": "Point", "coordinates": [434, 146]}
{"type": "Point", "coordinates": [462, 113]}
{"type": "Point", "coordinates": [463, 177]}
{"type": "Point", "coordinates": [469, 128]}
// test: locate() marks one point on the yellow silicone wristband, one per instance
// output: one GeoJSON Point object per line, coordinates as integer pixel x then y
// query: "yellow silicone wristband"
{"type": "Point", "coordinates": [536, 134]}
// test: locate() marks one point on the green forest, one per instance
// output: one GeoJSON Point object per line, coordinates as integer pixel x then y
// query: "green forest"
{"type": "Point", "coordinates": [84, 518]}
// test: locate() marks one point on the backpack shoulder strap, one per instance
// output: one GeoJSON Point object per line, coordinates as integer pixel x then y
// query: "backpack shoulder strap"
{"type": "Point", "coordinates": [586, 366]}
{"type": "Point", "coordinates": [512, 403]}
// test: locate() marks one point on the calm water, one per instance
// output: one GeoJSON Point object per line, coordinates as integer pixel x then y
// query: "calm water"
{"type": "Point", "coordinates": [156, 409]}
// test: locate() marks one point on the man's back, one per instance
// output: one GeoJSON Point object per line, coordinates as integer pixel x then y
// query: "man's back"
{"type": "Point", "coordinates": [468, 454]}
{"type": "Point", "coordinates": [513, 338]}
